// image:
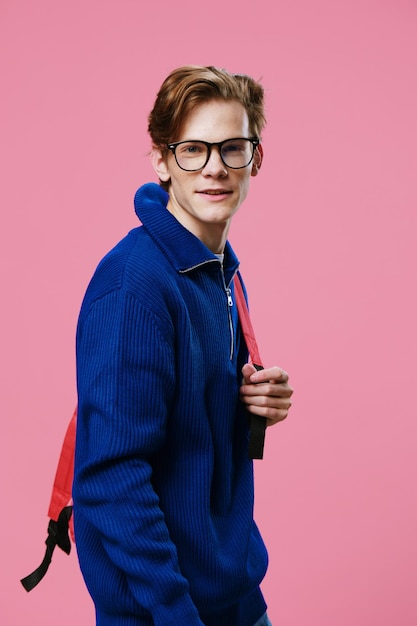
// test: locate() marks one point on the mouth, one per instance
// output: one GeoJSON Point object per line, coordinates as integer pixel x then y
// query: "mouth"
{"type": "Point", "coordinates": [215, 192]}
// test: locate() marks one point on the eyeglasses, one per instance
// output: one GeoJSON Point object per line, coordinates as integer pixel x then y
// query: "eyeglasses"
{"type": "Point", "coordinates": [192, 156]}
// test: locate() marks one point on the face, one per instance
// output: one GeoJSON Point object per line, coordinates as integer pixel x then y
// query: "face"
{"type": "Point", "coordinates": [205, 201]}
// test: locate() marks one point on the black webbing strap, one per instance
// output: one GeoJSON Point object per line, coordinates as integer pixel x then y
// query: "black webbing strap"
{"type": "Point", "coordinates": [257, 425]}
{"type": "Point", "coordinates": [57, 536]}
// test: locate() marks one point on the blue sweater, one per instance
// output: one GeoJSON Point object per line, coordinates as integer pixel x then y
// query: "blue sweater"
{"type": "Point", "coordinates": [163, 487]}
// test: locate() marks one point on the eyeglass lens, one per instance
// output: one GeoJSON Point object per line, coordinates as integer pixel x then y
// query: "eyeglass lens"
{"type": "Point", "coordinates": [235, 153]}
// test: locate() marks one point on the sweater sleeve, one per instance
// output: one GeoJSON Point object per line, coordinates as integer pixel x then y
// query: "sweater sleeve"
{"type": "Point", "coordinates": [126, 384]}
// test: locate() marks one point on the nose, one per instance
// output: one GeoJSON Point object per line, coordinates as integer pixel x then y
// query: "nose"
{"type": "Point", "coordinates": [214, 166]}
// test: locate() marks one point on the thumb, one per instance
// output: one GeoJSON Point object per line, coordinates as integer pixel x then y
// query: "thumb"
{"type": "Point", "coordinates": [247, 370]}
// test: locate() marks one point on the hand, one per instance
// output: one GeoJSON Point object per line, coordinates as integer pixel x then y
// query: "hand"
{"type": "Point", "coordinates": [266, 392]}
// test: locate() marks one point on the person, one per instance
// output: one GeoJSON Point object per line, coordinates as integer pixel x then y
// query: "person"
{"type": "Point", "coordinates": [163, 486]}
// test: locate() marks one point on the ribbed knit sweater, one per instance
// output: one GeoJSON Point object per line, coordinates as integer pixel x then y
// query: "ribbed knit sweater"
{"type": "Point", "coordinates": [163, 487]}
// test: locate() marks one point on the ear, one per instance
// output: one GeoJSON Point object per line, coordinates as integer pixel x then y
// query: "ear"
{"type": "Point", "coordinates": [160, 165]}
{"type": "Point", "coordinates": [257, 160]}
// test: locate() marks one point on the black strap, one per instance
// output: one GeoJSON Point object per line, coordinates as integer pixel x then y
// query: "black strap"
{"type": "Point", "coordinates": [57, 536]}
{"type": "Point", "coordinates": [257, 437]}
{"type": "Point", "coordinates": [257, 426]}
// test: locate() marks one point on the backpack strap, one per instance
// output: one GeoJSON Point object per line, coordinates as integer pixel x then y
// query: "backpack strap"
{"type": "Point", "coordinates": [59, 511]}
{"type": "Point", "coordinates": [62, 488]}
{"type": "Point", "coordinates": [257, 423]}
{"type": "Point", "coordinates": [57, 536]}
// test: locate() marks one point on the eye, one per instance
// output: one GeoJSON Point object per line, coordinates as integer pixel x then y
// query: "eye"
{"type": "Point", "coordinates": [191, 148]}
{"type": "Point", "coordinates": [236, 146]}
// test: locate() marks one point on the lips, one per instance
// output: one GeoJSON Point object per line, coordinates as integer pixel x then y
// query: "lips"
{"type": "Point", "coordinates": [215, 192]}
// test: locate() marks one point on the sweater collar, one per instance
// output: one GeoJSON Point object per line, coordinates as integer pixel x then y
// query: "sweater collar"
{"type": "Point", "coordinates": [183, 249]}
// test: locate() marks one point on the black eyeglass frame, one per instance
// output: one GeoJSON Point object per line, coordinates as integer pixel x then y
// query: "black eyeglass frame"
{"type": "Point", "coordinates": [254, 141]}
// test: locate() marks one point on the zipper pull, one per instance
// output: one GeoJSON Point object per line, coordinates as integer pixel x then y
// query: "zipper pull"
{"type": "Point", "coordinates": [229, 297]}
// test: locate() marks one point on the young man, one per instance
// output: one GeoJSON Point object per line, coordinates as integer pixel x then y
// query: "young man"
{"type": "Point", "coordinates": [163, 487]}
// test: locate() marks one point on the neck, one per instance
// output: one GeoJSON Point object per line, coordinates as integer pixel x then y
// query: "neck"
{"type": "Point", "coordinates": [214, 241]}
{"type": "Point", "coordinates": [212, 234]}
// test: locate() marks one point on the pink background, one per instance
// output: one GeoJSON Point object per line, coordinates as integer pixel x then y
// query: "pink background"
{"type": "Point", "coordinates": [327, 241]}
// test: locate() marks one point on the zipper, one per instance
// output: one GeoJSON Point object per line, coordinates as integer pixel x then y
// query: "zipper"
{"type": "Point", "coordinates": [229, 312]}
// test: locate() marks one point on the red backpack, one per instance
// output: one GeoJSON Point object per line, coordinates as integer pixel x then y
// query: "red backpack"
{"type": "Point", "coordinates": [60, 526]}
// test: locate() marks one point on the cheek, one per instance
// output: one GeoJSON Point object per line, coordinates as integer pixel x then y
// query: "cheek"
{"type": "Point", "coordinates": [244, 187]}
{"type": "Point", "coordinates": [180, 191]}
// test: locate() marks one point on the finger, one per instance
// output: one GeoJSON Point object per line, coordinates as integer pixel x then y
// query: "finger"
{"type": "Point", "coordinates": [247, 370]}
{"type": "Point", "coordinates": [280, 390]}
{"type": "Point", "coordinates": [273, 416]}
{"type": "Point", "coordinates": [267, 402]}
{"type": "Point", "coordinates": [272, 373]}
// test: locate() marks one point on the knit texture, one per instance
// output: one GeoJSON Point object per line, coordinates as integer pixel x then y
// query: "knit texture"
{"type": "Point", "coordinates": [163, 487]}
